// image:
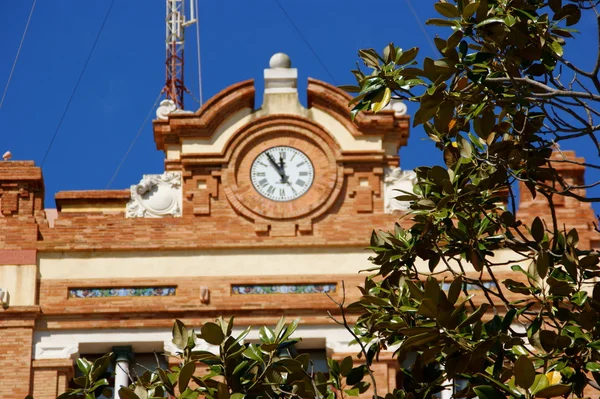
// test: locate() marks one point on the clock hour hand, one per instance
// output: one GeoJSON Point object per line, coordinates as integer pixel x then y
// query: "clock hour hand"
{"type": "Point", "coordinates": [284, 177]}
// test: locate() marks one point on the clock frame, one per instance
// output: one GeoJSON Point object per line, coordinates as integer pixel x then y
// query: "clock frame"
{"type": "Point", "coordinates": [282, 173]}
{"type": "Point", "coordinates": [288, 131]}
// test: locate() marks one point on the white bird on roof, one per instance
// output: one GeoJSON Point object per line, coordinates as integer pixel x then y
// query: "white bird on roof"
{"type": "Point", "coordinates": [7, 155]}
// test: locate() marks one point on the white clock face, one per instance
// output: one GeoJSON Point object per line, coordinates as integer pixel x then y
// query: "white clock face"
{"type": "Point", "coordinates": [282, 173]}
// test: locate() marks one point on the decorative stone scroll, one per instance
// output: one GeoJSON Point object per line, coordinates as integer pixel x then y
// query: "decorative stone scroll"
{"type": "Point", "coordinates": [266, 289]}
{"type": "Point", "coordinates": [156, 196]}
{"type": "Point", "coordinates": [394, 180]}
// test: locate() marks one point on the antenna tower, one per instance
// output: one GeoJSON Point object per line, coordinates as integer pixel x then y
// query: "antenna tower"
{"type": "Point", "coordinates": [176, 23]}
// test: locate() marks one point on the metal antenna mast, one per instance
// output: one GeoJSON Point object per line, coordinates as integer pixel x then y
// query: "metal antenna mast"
{"type": "Point", "coordinates": [176, 23]}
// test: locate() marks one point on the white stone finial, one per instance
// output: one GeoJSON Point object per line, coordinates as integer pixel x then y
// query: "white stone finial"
{"type": "Point", "coordinates": [7, 155]}
{"type": "Point", "coordinates": [280, 77]}
{"type": "Point", "coordinates": [280, 60]}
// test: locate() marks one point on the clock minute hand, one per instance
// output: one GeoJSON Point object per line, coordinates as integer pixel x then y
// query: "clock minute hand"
{"type": "Point", "coordinates": [274, 163]}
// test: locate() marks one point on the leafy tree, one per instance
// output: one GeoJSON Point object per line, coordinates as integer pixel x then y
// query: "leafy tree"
{"type": "Point", "coordinates": [270, 369]}
{"type": "Point", "coordinates": [498, 103]}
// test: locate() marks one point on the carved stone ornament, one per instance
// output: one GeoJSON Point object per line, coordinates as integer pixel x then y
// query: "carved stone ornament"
{"type": "Point", "coordinates": [395, 179]}
{"type": "Point", "coordinates": [156, 196]}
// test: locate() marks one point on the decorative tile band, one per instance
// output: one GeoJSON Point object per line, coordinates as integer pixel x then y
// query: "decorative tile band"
{"type": "Point", "coordinates": [120, 292]}
{"type": "Point", "coordinates": [471, 287]}
{"type": "Point", "coordinates": [283, 289]}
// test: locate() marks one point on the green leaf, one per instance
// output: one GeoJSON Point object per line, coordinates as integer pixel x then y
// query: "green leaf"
{"type": "Point", "coordinates": [519, 350]}
{"type": "Point", "coordinates": [212, 333]}
{"type": "Point", "coordinates": [350, 88]}
{"type": "Point", "coordinates": [355, 375]}
{"type": "Point", "coordinates": [555, 5]}
{"type": "Point", "coordinates": [447, 10]}
{"type": "Point", "coordinates": [440, 22]}
{"type": "Point", "coordinates": [252, 352]}
{"type": "Point", "coordinates": [420, 339]}
{"type": "Point", "coordinates": [383, 101]}
{"type": "Point", "coordinates": [266, 335]}
{"type": "Point", "coordinates": [179, 334]}
{"type": "Point", "coordinates": [553, 391]}
{"type": "Point", "coordinates": [579, 298]}
{"type": "Point", "coordinates": [540, 382]}
{"type": "Point", "coordinates": [407, 56]}
{"type": "Point", "coordinates": [346, 366]}
{"type": "Point", "coordinates": [524, 372]}
{"type": "Point", "coordinates": [470, 9]}
{"type": "Point", "coordinates": [592, 366]}
{"type": "Point", "coordinates": [488, 21]}
{"type": "Point", "coordinates": [455, 289]}
{"type": "Point", "coordinates": [557, 48]}
{"type": "Point", "coordinates": [240, 367]}
{"type": "Point", "coordinates": [84, 365]}
{"type": "Point", "coordinates": [542, 263]}
{"type": "Point", "coordinates": [428, 308]}
{"type": "Point", "coordinates": [537, 230]}
{"type": "Point", "coordinates": [488, 392]}
{"type": "Point", "coordinates": [126, 393]}
{"type": "Point", "coordinates": [185, 374]}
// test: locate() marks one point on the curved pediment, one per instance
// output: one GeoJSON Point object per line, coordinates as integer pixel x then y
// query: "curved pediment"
{"type": "Point", "coordinates": [204, 122]}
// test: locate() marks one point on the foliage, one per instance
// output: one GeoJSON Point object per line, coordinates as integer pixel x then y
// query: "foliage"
{"type": "Point", "coordinates": [271, 368]}
{"type": "Point", "coordinates": [496, 106]}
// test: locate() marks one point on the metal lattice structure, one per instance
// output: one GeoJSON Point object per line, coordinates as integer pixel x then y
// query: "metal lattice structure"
{"type": "Point", "coordinates": [175, 39]}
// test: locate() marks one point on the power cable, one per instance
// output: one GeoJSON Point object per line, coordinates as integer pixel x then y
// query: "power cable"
{"type": "Point", "coordinates": [421, 26]}
{"type": "Point", "coordinates": [306, 42]}
{"type": "Point", "coordinates": [12, 70]}
{"type": "Point", "coordinates": [78, 81]}
{"type": "Point", "coordinates": [134, 140]}
{"type": "Point", "coordinates": [198, 51]}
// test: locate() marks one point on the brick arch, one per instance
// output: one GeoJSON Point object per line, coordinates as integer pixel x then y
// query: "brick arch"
{"type": "Point", "coordinates": [307, 136]}
{"type": "Point", "coordinates": [283, 122]}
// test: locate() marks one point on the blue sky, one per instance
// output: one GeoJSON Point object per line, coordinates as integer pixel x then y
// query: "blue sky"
{"type": "Point", "coordinates": [126, 73]}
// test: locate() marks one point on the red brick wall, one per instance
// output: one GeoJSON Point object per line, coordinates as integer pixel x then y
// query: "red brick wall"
{"type": "Point", "coordinates": [15, 359]}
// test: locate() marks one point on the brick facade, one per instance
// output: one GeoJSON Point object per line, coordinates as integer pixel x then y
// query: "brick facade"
{"type": "Point", "coordinates": [219, 211]}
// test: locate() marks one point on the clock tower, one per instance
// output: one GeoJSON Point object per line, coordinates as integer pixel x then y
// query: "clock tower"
{"type": "Point", "coordinates": [284, 167]}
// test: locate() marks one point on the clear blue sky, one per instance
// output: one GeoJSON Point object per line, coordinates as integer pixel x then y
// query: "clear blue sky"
{"type": "Point", "coordinates": [126, 72]}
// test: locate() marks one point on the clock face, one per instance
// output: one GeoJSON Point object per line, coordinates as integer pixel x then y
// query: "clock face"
{"type": "Point", "coordinates": [282, 173]}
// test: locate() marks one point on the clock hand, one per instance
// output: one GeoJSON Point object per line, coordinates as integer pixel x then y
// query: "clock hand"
{"type": "Point", "coordinates": [284, 177]}
{"type": "Point", "coordinates": [274, 163]}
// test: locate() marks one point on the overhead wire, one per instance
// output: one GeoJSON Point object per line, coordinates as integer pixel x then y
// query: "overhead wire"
{"type": "Point", "coordinates": [112, 179]}
{"type": "Point", "coordinates": [12, 70]}
{"type": "Point", "coordinates": [421, 26]}
{"type": "Point", "coordinates": [62, 118]}
{"type": "Point", "coordinates": [289, 18]}
{"type": "Point", "coordinates": [198, 52]}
